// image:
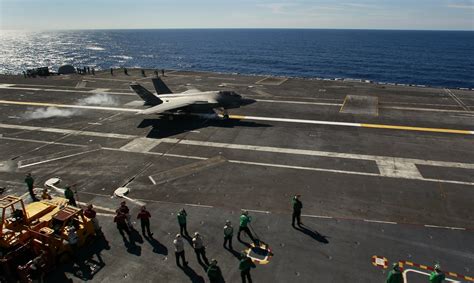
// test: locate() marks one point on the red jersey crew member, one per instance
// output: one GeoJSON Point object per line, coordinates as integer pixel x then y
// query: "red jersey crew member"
{"type": "Point", "coordinates": [144, 216]}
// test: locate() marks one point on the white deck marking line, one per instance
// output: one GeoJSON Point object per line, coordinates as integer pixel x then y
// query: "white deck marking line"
{"type": "Point", "coordinates": [445, 227]}
{"type": "Point", "coordinates": [152, 180]}
{"type": "Point", "coordinates": [422, 109]}
{"type": "Point", "coordinates": [257, 211]}
{"type": "Point", "coordinates": [199, 205]}
{"type": "Point", "coordinates": [100, 90]}
{"type": "Point", "coordinates": [395, 160]}
{"type": "Point", "coordinates": [379, 221]}
{"type": "Point", "coordinates": [299, 102]}
{"type": "Point", "coordinates": [317, 216]}
{"type": "Point", "coordinates": [41, 104]}
{"type": "Point", "coordinates": [253, 147]}
{"type": "Point", "coordinates": [325, 154]}
{"type": "Point", "coordinates": [301, 121]}
{"type": "Point", "coordinates": [359, 125]}
{"type": "Point", "coordinates": [12, 86]}
{"type": "Point", "coordinates": [66, 131]}
{"type": "Point", "coordinates": [56, 159]}
{"type": "Point", "coordinates": [256, 163]}
{"type": "Point", "coordinates": [105, 214]}
{"type": "Point", "coordinates": [421, 272]}
{"type": "Point", "coordinates": [43, 142]}
{"type": "Point", "coordinates": [303, 168]}
{"type": "Point", "coordinates": [141, 145]}
{"type": "Point", "coordinates": [379, 159]}
{"type": "Point", "coordinates": [457, 99]}
{"type": "Point", "coordinates": [380, 106]}
{"type": "Point", "coordinates": [59, 90]}
{"type": "Point", "coordinates": [96, 206]}
{"type": "Point", "coordinates": [274, 119]}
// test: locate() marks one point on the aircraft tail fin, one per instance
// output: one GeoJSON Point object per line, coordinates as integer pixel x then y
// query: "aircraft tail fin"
{"type": "Point", "coordinates": [147, 96]}
{"type": "Point", "coordinates": [160, 86]}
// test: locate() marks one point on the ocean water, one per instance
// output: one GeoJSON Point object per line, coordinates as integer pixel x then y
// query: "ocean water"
{"type": "Point", "coordinates": [436, 58]}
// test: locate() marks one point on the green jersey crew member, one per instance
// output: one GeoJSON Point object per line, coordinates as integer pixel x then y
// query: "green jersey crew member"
{"type": "Point", "coordinates": [182, 222]}
{"type": "Point", "coordinates": [69, 195]}
{"type": "Point", "coordinates": [244, 222]}
{"type": "Point", "coordinates": [395, 276]}
{"type": "Point", "coordinates": [30, 182]}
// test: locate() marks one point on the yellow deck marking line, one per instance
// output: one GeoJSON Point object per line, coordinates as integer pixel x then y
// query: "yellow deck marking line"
{"type": "Point", "coordinates": [420, 129]}
{"type": "Point", "coordinates": [242, 117]}
{"type": "Point", "coordinates": [361, 125]}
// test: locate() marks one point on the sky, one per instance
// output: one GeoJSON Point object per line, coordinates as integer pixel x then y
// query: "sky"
{"type": "Point", "coordinates": [137, 14]}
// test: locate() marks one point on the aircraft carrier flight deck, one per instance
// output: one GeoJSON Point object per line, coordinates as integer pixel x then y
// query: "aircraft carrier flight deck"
{"type": "Point", "coordinates": [384, 172]}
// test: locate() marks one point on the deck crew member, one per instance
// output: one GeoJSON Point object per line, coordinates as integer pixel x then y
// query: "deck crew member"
{"type": "Point", "coordinates": [90, 213]}
{"type": "Point", "coordinates": [182, 222]}
{"type": "Point", "coordinates": [179, 250]}
{"type": "Point", "coordinates": [228, 234]}
{"type": "Point", "coordinates": [245, 265]}
{"type": "Point", "coordinates": [69, 195]}
{"type": "Point", "coordinates": [245, 219]}
{"type": "Point", "coordinates": [199, 248]}
{"type": "Point", "coordinates": [144, 216]}
{"type": "Point", "coordinates": [297, 206]}
{"type": "Point", "coordinates": [394, 276]}
{"type": "Point", "coordinates": [437, 276]}
{"type": "Point", "coordinates": [214, 272]}
{"type": "Point", "coordinates": [30, 182]}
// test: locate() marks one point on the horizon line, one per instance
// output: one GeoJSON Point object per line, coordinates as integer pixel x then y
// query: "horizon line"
{"type": "Point", "coordinates": [235, 28]}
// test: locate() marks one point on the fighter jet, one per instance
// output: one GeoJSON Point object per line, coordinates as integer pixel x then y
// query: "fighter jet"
{"type": "Point", "coordinates": [193, 101]}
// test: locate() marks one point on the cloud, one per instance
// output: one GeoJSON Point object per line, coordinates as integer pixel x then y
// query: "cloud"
{"type": "Point", "coordinates": [461, 4]}
{"type": "Point", "coordinates": [359, 5]}
{"type": "Point", "coordinates": [277, 8]}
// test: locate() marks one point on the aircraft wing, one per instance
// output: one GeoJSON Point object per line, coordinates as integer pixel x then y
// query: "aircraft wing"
{"type": "Point", "coordinates": [166, 106]}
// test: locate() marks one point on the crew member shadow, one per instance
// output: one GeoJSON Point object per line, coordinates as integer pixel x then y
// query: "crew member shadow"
{"type": "Point", "coordinates": [247, 244]}
{"type": "Point", "coordinates": [235, 253]}
{"type": "Point", "coordinates": [158, 247]}
{"type": "Point", "coordinates": [313, 234]}
{"type": "Point", "coordinates": [132, 247]}
{"type": "Point", "coordinates": [238, 255]}
{"type": "Point", "coordinates": [193, 276]}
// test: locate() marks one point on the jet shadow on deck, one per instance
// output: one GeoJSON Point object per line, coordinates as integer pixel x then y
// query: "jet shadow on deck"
{"type": "Point", "coordinates": [163, 128]}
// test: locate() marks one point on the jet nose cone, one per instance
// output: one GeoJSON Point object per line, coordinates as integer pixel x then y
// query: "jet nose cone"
{"type": "Point", "coordinates": [247, 101]}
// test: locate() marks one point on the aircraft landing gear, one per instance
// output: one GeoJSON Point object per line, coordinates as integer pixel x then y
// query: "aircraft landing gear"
{"type": "Point", "coordinates": [222, 113]}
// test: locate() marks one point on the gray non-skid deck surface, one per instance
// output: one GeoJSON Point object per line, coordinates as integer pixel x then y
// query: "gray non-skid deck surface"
{"type": "Point", "coordinates": [365, 191]}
